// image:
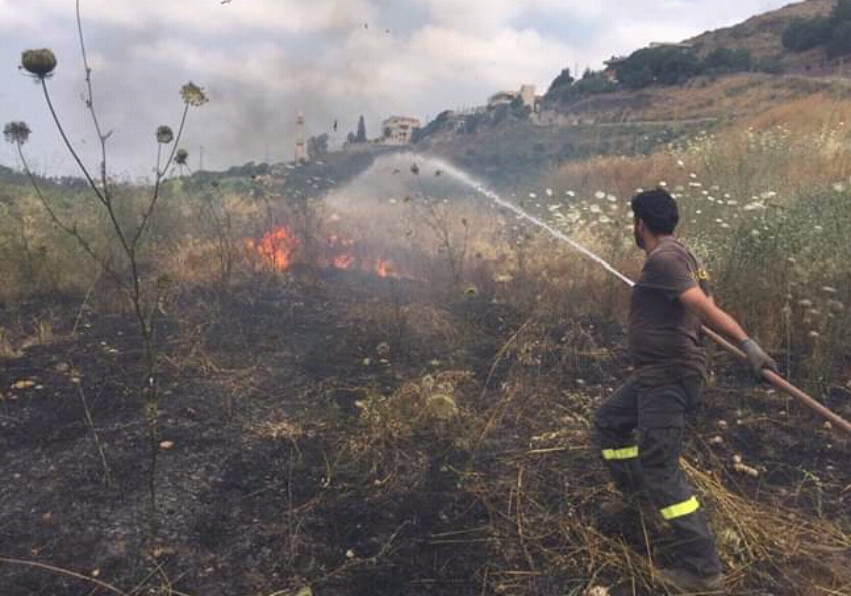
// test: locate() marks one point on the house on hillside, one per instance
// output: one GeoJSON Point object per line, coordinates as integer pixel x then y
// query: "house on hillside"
{"type": "Point", "coordinates": [612, 64]}
{"type": "Point", "coordinates": [501, 98]}
{"type": "Point", "coordinates": [526, 95]}
{"type": "Point", "coordinates": [397, 130]}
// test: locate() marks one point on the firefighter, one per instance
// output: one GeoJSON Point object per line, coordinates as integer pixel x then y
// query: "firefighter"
{"type": "Point", "coordinates": [640, 427]}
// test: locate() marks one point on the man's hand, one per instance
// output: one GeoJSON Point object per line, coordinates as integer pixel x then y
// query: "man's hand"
{"type": "Point", "coordinates": [757, 358]}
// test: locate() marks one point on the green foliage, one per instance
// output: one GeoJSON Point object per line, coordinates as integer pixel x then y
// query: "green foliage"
{"type": "Point", "coordinates": [665, 65]}
{"type": "Point", "coordinates": [725, 60]}
{"type": "Point", "coordinates": [805, 34]}
{"type": "Point", "coordinates": [562, 81]}
{"type": "Point", "coordinates": [593, 82]}
{"type": "Point", "coordinates": [839, 43]}
{"type": "Point", "coordinates": [360, 137]}
{"type": "Point", "coordinates": [834, 32]}
{"type": "Point", "coordinates": [317, 145]}
{"type": "Point", "coordinates": [842, 11]}
{"type": "Point", "coordinates": [770, 65]}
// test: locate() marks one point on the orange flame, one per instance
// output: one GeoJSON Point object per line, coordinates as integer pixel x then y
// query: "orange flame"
{"type": "Point", "coordinates": [343, 261]}
{"type": "Point", "coordinates": [384, 268]}
{"type": "Point", "coordinates": [277, 247]}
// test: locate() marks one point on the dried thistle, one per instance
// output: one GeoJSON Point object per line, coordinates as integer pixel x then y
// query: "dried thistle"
{"type": "Point", "coordinates": [181, 156]}
{"type": "Point", "coordinates": [164, 134]}
{"type": "Point", "coordinates": [193, 95]}
{"type": "Point", "coordinates": [39, 62]}
{"type": "Point", "coordinates": [16, 132]}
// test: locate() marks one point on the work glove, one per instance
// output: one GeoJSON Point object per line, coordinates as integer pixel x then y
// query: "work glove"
{"type": "Point", "coordinates": [757, 358]}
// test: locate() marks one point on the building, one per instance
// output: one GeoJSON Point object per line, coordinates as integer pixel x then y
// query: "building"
{"type": "Point", "coordinates": [300, 142]}
{"type": "Point", "coordinates": [397, 130]}
{"type": "Point", "coordinates": [526, 95]}
{"type": "Point", "coordinates": [501, 98]}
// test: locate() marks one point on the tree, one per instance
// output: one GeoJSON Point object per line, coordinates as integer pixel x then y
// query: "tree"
{"type": "Point", "coordinates": [361, 134]}
{"type": "Point", "coordinates": [839, 43]}
{"type": "Point", "coordinates": [842, 11]}
{"type": "Point", "coordinates": [317, 145]}
{"type": "Point", "coordinates": [594, 82]}
{"type": "Point", "coordinates": [728, 60]}
{"type": "Point", "coordinates": [667, 65]}
{"type": "Point", "coordinates": [805, 34]}
{"type": "Point", "coordinates": [564, 79]}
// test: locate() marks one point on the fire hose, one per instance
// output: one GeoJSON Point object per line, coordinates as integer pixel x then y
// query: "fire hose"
{"type": "Point", "coordinates": [768, 375]}
{"type": "Point", "coordinates": [782, 384]}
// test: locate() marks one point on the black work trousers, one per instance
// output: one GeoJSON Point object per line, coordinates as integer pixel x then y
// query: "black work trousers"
{"type": "Point", "coordinates": [640, 431]}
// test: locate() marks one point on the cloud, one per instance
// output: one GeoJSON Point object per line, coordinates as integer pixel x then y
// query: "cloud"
{"type": "Point", "coordinates": [263, 61]}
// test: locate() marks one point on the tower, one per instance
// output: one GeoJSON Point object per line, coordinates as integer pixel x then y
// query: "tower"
{"type": "Point", "coordinates": [300, 144]}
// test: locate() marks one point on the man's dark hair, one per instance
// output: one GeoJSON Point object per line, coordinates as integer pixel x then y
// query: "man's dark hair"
{"type": "Point", "coordinates": [657, 209]}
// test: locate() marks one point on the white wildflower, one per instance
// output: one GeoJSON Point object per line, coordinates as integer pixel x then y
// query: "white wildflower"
{"type": "Point", "coordinates": [549, 191]}
{"type": "Point", "coordinates": [599, 195]}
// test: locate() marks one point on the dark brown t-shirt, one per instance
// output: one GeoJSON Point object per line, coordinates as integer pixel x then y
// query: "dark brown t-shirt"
{"type": "Point", "coordinates": [665, 340]}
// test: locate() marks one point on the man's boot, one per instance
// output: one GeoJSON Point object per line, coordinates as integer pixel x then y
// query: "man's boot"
{"type": "Point", "coordinates": [682, 581]}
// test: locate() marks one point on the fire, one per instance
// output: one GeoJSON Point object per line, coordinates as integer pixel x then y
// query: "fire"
{"type": "Point", "coordinates": [278, 248]}
{"type": "Point", "coordinates": [384, 268]}
{"type": "Point", "coordinates": [343, 261]}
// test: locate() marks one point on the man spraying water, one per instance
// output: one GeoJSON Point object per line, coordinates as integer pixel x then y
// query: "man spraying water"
{"type": "Point", "coordinates": [640, 426]}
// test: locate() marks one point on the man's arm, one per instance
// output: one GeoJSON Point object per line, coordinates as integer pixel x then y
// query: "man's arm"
{"type": "Point", "coordinates": [704, 306]}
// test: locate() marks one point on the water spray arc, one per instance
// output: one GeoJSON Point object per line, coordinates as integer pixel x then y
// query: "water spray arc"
{"type": "Point", "coordinates": [770, 376]}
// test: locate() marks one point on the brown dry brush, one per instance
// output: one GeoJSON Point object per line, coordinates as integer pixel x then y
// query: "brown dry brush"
{"type": "Point", "coordinates": [534, 470]}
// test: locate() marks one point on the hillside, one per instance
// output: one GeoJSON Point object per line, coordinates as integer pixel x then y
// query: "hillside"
{"type": "Point", "coordinates": [761, 36]}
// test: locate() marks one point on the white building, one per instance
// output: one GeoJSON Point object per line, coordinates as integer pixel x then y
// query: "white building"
{"type": "Point", "coordinates": [397, 130]}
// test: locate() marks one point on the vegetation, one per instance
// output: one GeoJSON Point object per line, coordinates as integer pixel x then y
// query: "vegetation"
{"type": "Point", "coordinates": [129, 233]}
{"type": "Point", "coordinates": [831, 32]}
{"type": "Point", "coordinates": [397, 389]}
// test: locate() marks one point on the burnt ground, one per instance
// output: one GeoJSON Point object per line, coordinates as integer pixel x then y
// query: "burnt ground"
{"type": "Point", "coordinates": [275, 478]}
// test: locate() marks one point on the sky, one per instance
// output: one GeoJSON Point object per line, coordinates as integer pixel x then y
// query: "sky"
{"type": "Point", "coordinates": [261, 62]}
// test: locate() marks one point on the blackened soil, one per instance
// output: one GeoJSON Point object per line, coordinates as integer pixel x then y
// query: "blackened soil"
{"type": "Point", "coordinates": [269, 482]}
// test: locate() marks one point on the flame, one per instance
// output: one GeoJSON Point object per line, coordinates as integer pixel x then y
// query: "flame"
{"type": "Point", "coordinates": [277, 247]}
{"type": "Point", "coordinates": [344, 261]}
{"type": "Point", "coordinates": [384, 268]}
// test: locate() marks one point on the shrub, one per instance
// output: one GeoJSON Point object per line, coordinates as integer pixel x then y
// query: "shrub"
{"type": "Point", "coordinates": [805, 34]}
{"type": "Point", "coordinates": [666, 65]}
{"type": "Point", "coordinates": [839, 43]}
{"type": "Point", "coordinates": [723, 60]}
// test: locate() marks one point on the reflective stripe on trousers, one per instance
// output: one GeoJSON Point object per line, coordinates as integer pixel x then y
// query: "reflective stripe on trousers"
{"type": "Point", "coordinates": [622, 453]}
{"type": "Point", "coordinates": [680, 509]}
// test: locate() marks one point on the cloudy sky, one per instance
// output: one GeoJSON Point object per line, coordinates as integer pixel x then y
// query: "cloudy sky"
{"type": "Point", "coordinates": [263, 61]}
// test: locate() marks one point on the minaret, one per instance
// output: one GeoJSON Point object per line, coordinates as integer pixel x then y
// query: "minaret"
{"type": "Point", "coordinates": [300, 144]}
